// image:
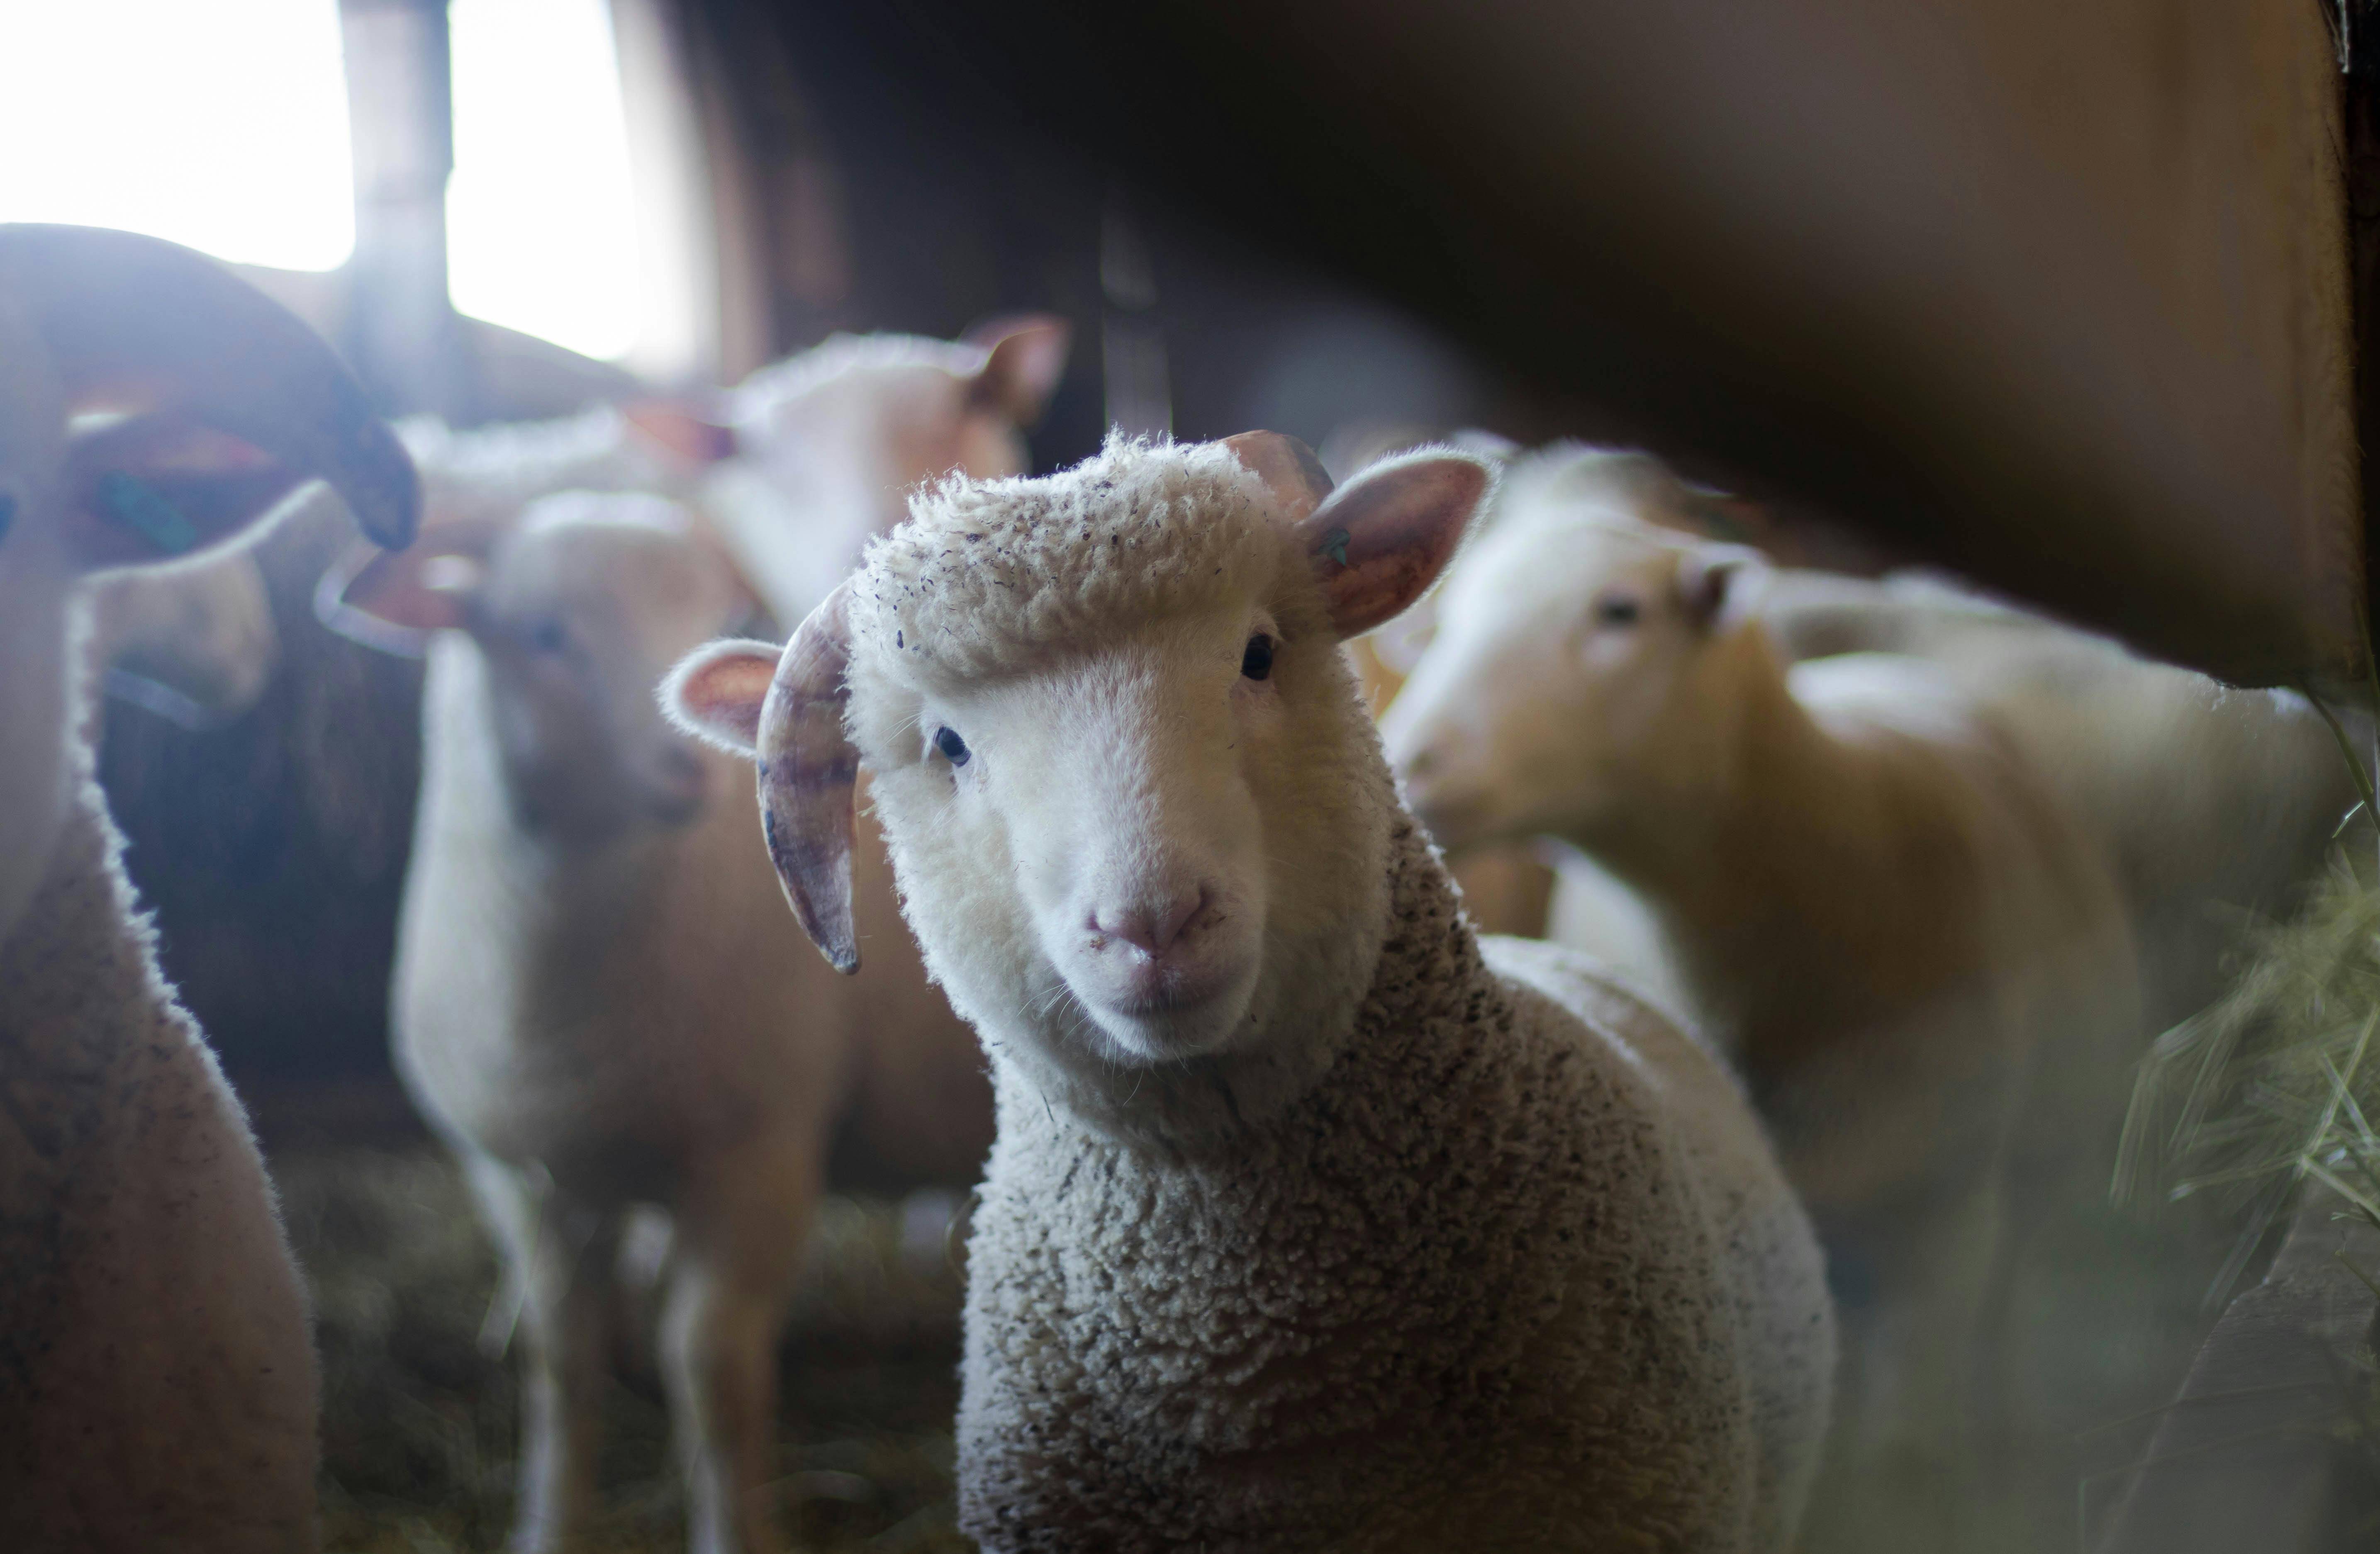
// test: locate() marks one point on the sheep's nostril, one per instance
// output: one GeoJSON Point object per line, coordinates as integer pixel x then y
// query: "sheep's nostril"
{"type": "Point", "coordinates": [1153, 927]}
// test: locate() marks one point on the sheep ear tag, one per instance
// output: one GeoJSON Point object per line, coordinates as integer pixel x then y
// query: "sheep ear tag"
{"type": "Point", "coordinates": [159, 486]}
{"type": "Point", "coordinates": [1380, 542]}
{"type": "Point", "coordinates": [810, 778]}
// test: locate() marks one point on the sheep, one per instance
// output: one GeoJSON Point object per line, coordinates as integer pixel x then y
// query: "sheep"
{"type": "Point", "coordinates": [794, 467]}
{"type": "Point", "coordinates": [157, 1382]}
{"type": "Point", "coordinates": [194, 643]}
{"type": "Point", "coordinates": [827, 444]}
{"type": "Point", "coordinates": [2213, 803]}
{"type": "Point", "coordinates": [593, 1002]}
{"type": "Point", "coordinates": [1315, 1220]}
{"type": "Point", "coordinates": [1875, 901]}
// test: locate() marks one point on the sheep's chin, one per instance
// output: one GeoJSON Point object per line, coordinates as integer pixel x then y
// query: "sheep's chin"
{"type": "Point", "coordinates": [1188, 1028]}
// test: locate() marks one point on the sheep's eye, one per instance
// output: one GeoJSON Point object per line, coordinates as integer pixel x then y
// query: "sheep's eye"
{"type": "Point", "coordinates": [952, 748]}
{"type": "Point", "coordinates": [549, 636]}
{"type": "Point", "coordinates": [1257, 662]}
{"type": "Point", "coordinates": [1617, 609]}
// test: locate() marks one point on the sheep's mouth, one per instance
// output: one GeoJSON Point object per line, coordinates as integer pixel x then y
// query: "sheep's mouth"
{"type": "Point", "coordinates": [1175, 1013]}
{"type": "Point", "coordinates": [1157, 991]}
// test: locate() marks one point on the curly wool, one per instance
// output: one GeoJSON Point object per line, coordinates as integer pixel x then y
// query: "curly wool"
{"type": "Point", "coordinates": [992, 575]}
{"type": "Point", "coordinates": [1459, 1295]}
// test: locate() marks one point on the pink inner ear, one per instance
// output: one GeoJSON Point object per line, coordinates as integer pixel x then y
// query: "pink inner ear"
{"type": "Point", "coordinates": [1027, 357]}
{"type": "Point", "coordinates": [1380, 541]}
{"type": "Point", "coordinates": [684, 432]}
{"type": "Point", "coordinates": [154, 487]}
{"type": "Point", "coordinates": [389, 601]}
{"type": "Point", "coordinates": [1288, 469]}
{"type": "Point", "coordinates": [726, 693]}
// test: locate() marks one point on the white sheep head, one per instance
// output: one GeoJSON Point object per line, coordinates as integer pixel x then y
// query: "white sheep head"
{"type": "Point", "coordinates": [577, 603]}
{"type": "Point", "coordinates": [1583, 676]}
{"type": "Point", "coordinates": [153, 408]}
{"type": "Point", "coordinates": [1139, 818]}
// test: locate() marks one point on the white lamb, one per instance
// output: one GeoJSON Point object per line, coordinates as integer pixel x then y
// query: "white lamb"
{"type": "Point", "coordinates": [1315, 1222]}
{"type": "Point", "coordinates": [2212, 802]}
{"type": "Point", "coordinates": [829, 444]}
{"type": "Point", "coordinates": [598, 1002]}
{"type": "Point", "coordinates": [1875, 901]}
{"type": "Point", "coordinates": [157, 1384]}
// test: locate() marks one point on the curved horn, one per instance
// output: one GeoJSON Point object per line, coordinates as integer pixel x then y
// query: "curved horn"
{"type": "Point", "coordinates": [809, 777]}
{"type": "Point", "coordinates": [142, 325]}
{"type": "Point", "coordinates": [1288, 469]}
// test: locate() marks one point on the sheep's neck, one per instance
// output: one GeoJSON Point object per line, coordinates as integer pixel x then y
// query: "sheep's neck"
{"type": "Point", "coordinates": [78, 981]}
{"type": "Point", "coordinates": [1822, 886]}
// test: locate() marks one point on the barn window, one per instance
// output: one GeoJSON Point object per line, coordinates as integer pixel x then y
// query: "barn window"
{"type": "Point", "coordinates": [541, 211]}
{"type": "Point", "coordinates": [222, 127]}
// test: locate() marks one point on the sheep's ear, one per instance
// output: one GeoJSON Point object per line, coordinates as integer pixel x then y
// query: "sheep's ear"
{"type": "Point", "coordinates": [810, 778]}
{"type": "Point", "coordinates": [716, 692]}
{"type": "Point", "coordinates": [393, 601]}
{"type": "Point", "coordinates": [692, 433]}
{"type": "Point", "coordinates": [198, 405]}
{"type": "Point", "coordinates": [1026, 358]}
{"type": "Point", "coordinates": [1378, 543]}
{"type": "Point", "coordinates": [1287, 466]}
{"type": "Point", "coordinates": [1714, 582]}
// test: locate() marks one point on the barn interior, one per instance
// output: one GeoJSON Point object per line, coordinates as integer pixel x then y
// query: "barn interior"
{"type": "Point", "coordinates": [2060, 309]}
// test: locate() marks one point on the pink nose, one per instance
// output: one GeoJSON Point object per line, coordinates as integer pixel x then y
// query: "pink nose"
{"type": "Point", "coordinates": [1152, 927]}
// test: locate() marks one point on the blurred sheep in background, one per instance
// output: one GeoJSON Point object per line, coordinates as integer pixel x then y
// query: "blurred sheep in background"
{"type": "Point", "coordinates": [595, 1003]}
{"type": "Point", "coordinates": [1873, 902]}
{"type": "Point", "coordinates": [157, 1381]}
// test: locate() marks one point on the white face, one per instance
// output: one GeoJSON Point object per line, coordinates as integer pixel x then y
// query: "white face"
{"type": "Point", "coordinates": [35, 582]}
{"type": "Point", "coordinates": [1557, 689]}
{"type": "Point", "coordinates": [579, 619]}
{"type": "Point", "coordinates": [1141, 853]}
{"type": "Point", "coordinates": [848, 450]}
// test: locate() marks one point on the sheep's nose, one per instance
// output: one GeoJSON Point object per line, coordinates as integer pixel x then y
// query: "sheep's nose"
{"type": "Point", "coordinates": [1152, 927]}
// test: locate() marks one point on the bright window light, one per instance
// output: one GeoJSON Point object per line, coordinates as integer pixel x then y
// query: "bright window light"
{"type": "Point", "coordinates": [222, 125]}
{"type": "Point", "coordinates": [540, 222]}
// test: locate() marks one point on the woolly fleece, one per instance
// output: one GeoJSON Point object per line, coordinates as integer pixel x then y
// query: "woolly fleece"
{"type": "Point", "coordinates": [1504, 1267]}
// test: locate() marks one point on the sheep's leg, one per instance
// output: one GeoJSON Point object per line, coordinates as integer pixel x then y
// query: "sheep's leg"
{"type": "Point", "coordinates": [561, 1255]}
{"type": "Point", "coordinates": [740, 1233]}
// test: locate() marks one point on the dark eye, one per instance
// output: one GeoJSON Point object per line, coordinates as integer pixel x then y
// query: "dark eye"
{"type": "Point", "coordinates": [952, 748]}
{"type": "Point", "coordinates": [1617, 609]}
{"type": "Point", "coordinates": [549, 636]}
{"type": "Point", "coordinates": [1257, 662]}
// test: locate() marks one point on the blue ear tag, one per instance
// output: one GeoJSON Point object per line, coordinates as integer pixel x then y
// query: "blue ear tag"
{"type": "Point", "coordinates": [1334, 545]}
{"type": "Point", "coordinates": [144, 510]}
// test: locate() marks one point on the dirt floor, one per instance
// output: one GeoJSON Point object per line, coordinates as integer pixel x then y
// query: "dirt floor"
{"type": "Point", "coordinates": [418, 1425]}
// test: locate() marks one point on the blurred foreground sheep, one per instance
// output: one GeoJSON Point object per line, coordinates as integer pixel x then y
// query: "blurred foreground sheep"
{"type": "Point", "coordinates": [1872, 898]}
{"type": "Point", "coordinates": [597, 1000]}
{"type": "Point", "coordinates": [157, 1384]}
{"type": "Point", "coordinates": [1307, 1227]}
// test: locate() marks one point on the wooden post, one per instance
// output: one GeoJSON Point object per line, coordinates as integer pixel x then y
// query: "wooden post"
{"type": "Point", "coordinates": [402, 333]}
